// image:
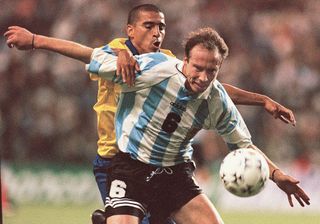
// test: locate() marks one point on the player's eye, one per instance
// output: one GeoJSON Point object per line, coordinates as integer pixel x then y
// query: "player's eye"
{"type": "Point", "coordinates": [162, 27]}
{"type": "Point", "coordinates": [212, 71]}
{"type": "Point", "coordinates": [198, 68]}
{"type": "Point", "coordinates": [148, 26]}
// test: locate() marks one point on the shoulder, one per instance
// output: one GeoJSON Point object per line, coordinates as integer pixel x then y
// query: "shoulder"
{"type": "Point", "coordinates": [151, 60]}
{"type": "Point", "coordinates": [118, 43]}
{"type": "Point", "coordinates": [167, 52]}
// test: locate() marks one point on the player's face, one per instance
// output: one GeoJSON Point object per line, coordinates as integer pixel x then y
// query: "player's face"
{"type": "Point", "coordinates": [201, 68]}
{"type": "Point", "coordinates": [147, 32]}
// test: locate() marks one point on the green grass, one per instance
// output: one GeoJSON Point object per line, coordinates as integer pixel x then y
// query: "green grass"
{"type": "Point", "coordinates": [270, 218]}
{"type": "Point", "coordinates": [50, 214]}
{"type": "Point", "coordinates": [80, 214]}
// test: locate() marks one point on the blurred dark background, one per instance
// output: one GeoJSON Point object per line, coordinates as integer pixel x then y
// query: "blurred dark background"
{"type": "Point", "coordinates": [46, 99]}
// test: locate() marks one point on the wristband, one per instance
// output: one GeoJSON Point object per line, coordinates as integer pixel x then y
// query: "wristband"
{"type": "Point", "coordinates": [272, 175]}
{"type": "Point", "coordinates": [32, 43]}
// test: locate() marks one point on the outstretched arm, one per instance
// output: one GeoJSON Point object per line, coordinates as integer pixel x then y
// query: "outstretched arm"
{"type": "Point", "coordinates": [23, 39]}
{"type": "Point", "coordinates": [286, 183]}
{"type": "Point", "coordinates": [242, 97]}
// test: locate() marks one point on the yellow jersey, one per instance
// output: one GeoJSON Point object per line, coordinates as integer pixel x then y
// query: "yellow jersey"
{"type": "Point", "coordinates": [106, 106]}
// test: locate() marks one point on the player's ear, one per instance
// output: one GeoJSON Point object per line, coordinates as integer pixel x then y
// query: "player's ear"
{"type": "Point", "coordinates": [185, 60]}
{"type": "Point", "coordinates": [130, 31]}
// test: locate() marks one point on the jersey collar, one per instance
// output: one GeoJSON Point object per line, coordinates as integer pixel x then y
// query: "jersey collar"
{"type": "Point", "coordinates": [133, 50]}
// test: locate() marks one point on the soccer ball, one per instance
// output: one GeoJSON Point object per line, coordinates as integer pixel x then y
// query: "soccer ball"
{"type": "Point", "coordinates": [244, 172]}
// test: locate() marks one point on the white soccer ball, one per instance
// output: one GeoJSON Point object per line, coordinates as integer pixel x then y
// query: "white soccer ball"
{"type": "Point", "coordinates": [244, 172]}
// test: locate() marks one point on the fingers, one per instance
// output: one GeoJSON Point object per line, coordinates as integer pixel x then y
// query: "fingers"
{"type": "Point", "coordinates": [301, 194]}
{"type": "Point", "coordinates": [118, 72]}
{"type": "Point", "coordinates": [298, 199]}
{"type": "Point", "coordinates": [128, 73]}
{"type": "Point", "coordinates": [137, 67]}
{"type": "Point", "coordinates": [290, 200]}
{"type": "Point", "coordinates": [131, 76]}
{"type": "Point", "coordinates": [284, 119]}
{"type": "Point", "coordinates": [287, 117]}
{"type": "Point", "coordinates": [125, 74]}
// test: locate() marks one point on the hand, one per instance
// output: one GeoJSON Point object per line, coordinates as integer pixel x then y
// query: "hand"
{"type": "Point", "coordinates": [279, 111]}
{"type": "Point", "coordinates": [290, 186]}
{"type": "Point", "coordinates": [127, 67]}
{"type": "Point", "coordinates": [19, 37]}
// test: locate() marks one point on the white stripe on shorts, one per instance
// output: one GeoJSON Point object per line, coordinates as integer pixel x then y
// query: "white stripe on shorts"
{"type": "Point", "coordinates": [121, 202]}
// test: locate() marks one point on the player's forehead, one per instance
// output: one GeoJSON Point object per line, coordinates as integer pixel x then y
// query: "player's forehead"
{"type": "Point", "coordinates": [150, 17]}
{"type": "Point", "coordinates": [201, 55]}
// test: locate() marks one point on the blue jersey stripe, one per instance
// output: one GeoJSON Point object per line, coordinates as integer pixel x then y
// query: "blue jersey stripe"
{"type": "Point", "coordinates": [94, 66]}
{"type": "Point", "coordinates": [149, 107]}
{"type": "Point", "coordinates": [127, 100]}
{"type": "Point", "coordinates": [107, 49]}
{"type": "Point", "coordinates": [200, 116]}
{"type": "Point", "coordinates": [228, 116]}
{"type": "Point", "coordinates": [156, 59]}
{"type": "Point", "coordinates": [163, 138]}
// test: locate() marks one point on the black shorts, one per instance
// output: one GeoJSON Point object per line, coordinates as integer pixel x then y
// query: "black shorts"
{"type": "Point", "coordinates": [137, 188]}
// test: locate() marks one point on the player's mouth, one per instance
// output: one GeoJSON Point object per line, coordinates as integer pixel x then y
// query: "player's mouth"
{"type": "Point", "coordinates": [156, 44]}
{"type": "Point", "coordinates": [200, 86]}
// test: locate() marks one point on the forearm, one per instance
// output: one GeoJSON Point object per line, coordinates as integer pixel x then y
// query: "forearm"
{"type": "Point", "coordinates": [242, 97]}
{"type": "Point", "coordinates": [272, 166]}
{"type": "Point", "coordinates": [67, 48]}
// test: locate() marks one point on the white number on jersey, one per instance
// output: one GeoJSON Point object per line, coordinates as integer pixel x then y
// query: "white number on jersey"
{"type": "Point", "coordinates": [118, 189]}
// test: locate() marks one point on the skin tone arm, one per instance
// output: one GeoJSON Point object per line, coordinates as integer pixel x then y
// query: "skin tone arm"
{"type": "Point", "coordinates": [285, 182]}
{"type": "Point", "coordinates": [23, 39]}
{"type": "Point", "coordinates": [242, 97]}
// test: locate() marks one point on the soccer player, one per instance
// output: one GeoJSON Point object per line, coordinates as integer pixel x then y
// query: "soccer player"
{"type": "Point", "coordinates": [156, 119]}
{"type": "Point", "coordinates": [155, 141]}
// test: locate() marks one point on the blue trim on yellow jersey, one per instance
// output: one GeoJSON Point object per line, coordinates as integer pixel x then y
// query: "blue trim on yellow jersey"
{"type": "Point", "coordinates": [133, 50]}
{"type": "Point", "coordinates": [108, 49]}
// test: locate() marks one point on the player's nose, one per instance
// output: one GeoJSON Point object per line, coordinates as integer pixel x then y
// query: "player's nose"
{"type": "Point", "coordinates": [156, 31]}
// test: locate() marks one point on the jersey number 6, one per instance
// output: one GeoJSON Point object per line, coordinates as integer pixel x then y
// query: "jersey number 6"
{"type": "Point", "coordinates": [170, 124]}
{"type": "Point", "coordinates": [117, 189]}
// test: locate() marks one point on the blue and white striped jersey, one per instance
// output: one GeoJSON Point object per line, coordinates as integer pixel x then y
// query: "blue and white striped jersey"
{"type": "Point", "coordinates": [158, 117]}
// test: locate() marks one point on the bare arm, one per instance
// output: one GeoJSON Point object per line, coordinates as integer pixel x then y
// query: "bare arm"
{"type": "Point", "coordinates": [23, 39]}
{"type": "Point", "coordinates": [286, 183]}
{"type": "Point", "coordinates": [242, 97]}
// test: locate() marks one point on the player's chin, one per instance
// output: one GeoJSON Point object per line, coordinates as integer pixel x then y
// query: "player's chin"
{"type": "Point", "coordinates": [198, 88]}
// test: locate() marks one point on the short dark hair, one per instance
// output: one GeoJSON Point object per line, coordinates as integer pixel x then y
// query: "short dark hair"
{"type": "Point", "coordinates": [208, 38]}
{"type": "Point", "coordinates": [134, 12]}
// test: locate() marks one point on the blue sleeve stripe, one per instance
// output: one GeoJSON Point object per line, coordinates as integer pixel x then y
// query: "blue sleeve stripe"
{"type": "Point", "coordinates": [227, 121]}
{"type": "Point", "coordinates": [157, 58]}
{"type": "Point", "coordinates": [94, 66]}
{"type": "Point", "coordinates": [107, 49]}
